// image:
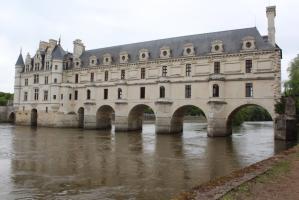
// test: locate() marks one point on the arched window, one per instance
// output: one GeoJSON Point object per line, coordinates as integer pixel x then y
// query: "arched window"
{"type": "Point", "coordinates": [215, 90]}
{"type": "Point", "coordinates": [88, 94]}
{"type": "Point", "coordinates": [162, 92]}
{"type": "Point", "coordinates": [119, 93]}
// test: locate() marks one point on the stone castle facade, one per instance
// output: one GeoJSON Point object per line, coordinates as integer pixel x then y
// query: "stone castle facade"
{"type": "Point", "coordinates": [217, 72]}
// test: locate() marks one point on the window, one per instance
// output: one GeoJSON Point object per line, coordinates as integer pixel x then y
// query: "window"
{"type": "Point", "coordinates": [47, 66]}
{"type": "Point", "coordinates": [249, 90]}
{"type": "Point", "coordinates": [26, 81]}
{"type": "Point", "coordinates": [36, 67]}
{"type": "Point", "coordinates": [25, 96]}
{"type": "Point", "coordinates": [216, 67]}
{"type": "Point", "coordinates": [76, 78]}
{"type": "Point", "coordinates": [122, 74]}
{"type": "Point", "coordinates": [106, 75]}
{"type": "Point", "coordinates": [105, 93]}
{"type": "Point", "coordinates": [187, 91]}
{"type": "Point", "coordinates": [46, 80]}
{"type": "Point", "coordinates": [142, 73]}
{"type": "Point", "coordinates": [119, 93]}
{"type": "Point", "coordinates": [215, 90]}
{"type": "Point", "coordinates": [56, 67]}
{"type": "Point", "coordinates": [162, 92]}
{"type": "Point", "coordinates": [46, 95]}
{"type": "Point", "coordinates": [61, 96]}
{"type": "Point", "coordinates": [76, 94]}
{"type": "Point", "coordinates": [248, 65]}
{"type": "Point", "coordinates": [142, 92]}
{"type": "Point", "coordinates": [55, 80]}
{"type": "Point", "coordinates": [36, 78]}
{"type": "Point", "coordinates": [27, 68]}
{"type": "Point", "coordinates": [188, 69]}
{"type": "Point", "coordinates": [88, 94]}
{"type": "Point", "coordinates": [70, 96]}
{"type": "Point", "coordinates": [54, 97]}
{"type": "Point", "coordinates": [46, 109]}
{"type": "Point", "coordinates": [164, 71]}
{"type": "Point", "coordinates": [36, 90]}
{"type": "Point", "coordinates": [91, 77]}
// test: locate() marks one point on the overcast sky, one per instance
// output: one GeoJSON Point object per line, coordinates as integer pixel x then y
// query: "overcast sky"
{"type": "Point", "coordinates": [114, 22]}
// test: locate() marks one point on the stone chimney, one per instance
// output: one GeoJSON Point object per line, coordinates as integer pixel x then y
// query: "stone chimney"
{"type": "Point", "coordinates": [43, 45]}
{"type": "Point", "coordinates": [52, 43]}
{"type": "Point", "coordinates": [271, 13]}
{"type": "Point", "coordinates": [79, 48]}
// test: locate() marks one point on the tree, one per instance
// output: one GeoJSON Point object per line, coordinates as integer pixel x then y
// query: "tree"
{"type": "Point", "coordinates": [4, 97]}
{"type": "Point", "coordinates": [292, 85]}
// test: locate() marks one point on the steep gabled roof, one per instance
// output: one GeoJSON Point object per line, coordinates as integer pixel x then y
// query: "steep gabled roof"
{"type": "Point", "coordinates": [20, 60]}
{"type": "Point", "coordinates": [232, 42]}
{"type": "Point", "coordinates": [58, 53]}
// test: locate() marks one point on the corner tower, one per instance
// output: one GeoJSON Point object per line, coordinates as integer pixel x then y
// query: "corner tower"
{"type": "Point", "coordinates": [19, 67]}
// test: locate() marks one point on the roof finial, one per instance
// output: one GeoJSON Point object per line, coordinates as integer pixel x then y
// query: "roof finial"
{"type": "Point", "coordinates": [59, 39]}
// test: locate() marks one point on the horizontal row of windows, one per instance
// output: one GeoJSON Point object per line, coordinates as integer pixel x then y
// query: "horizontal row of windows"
{"type": "Point", "coordinates": [162, 92]}
{"type": "Point", "coordinates": [248, 69]}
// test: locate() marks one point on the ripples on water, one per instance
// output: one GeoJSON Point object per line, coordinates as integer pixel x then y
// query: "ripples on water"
{"type": "Point", "coordinates": [48, 163]}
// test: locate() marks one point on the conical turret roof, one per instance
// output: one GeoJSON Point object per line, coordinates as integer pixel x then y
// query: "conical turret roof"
{"type": "Point", "coordinates": [20, 61]}
{"type": "Point", "coordinates": [58, 53]}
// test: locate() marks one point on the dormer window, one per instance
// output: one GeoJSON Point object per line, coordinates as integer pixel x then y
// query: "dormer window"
{"type": "Point", "coordinates": [165, 52]}
{"type": "Point", "coordinates": [92, 60]}
{"type": "Point", "coordinates": [143, 54]}
{"type": "Point", "coordinates": [124, 57]}
{"type": "Point", "coordinates": [248, 43]}
{"type": "Point", "coordinates": [77, 62]}
{"type": "Point", "coordinates": [217, 46]}
{"type": "Point", "coordinates": [107, 59]}
{"type": "Point", "coordinates": [188, 50]}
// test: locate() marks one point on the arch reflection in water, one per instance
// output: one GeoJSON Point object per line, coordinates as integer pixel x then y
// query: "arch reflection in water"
{"type": "Point", "coordinates": [87, 164]}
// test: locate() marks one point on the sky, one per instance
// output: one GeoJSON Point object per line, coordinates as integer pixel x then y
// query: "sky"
{"type": "Point", "coordinates": [100, 23]}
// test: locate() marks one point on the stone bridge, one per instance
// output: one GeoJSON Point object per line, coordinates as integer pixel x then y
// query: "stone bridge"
{"type": "Point", "coordinates": [7, 114]}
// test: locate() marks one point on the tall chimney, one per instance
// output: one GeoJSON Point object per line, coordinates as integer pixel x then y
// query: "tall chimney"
{"type": "Point", "coordinates": [271, 13]}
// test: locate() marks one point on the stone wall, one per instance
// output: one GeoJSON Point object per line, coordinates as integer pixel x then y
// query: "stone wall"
{"type": "Point", "coordinates": [5, 112]}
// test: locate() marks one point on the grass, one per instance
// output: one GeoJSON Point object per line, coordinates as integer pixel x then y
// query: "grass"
{"type": "Point", "coordinates": [271, 175]}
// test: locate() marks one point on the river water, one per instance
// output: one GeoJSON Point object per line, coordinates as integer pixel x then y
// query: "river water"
{"type": "Point", "coordinates": [49, 163]}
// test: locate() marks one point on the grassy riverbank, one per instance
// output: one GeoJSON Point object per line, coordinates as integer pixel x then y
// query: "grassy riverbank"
{"type": "Point", "coordinates": [281, 181]}
{"type": "Point", "coordinates": [273, 178]}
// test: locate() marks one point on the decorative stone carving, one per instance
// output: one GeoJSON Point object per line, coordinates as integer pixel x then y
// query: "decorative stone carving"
{"type": "Point", "coordinates": [123, 57]}
{"type": "Point", "coordinates": [189, 50]}
{"type": "Point", "coordinates": [217, 46]}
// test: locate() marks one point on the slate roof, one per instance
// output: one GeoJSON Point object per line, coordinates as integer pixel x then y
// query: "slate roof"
{"type": "Point", "coordinates": [20, 60]}
{"type": "Point", "coordinates": [232, 43]}
{"type": "Point", "coordinates": [58, 53]}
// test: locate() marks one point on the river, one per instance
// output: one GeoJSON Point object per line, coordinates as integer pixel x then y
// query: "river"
{"type": "Point", "coordinates": [50, 163]}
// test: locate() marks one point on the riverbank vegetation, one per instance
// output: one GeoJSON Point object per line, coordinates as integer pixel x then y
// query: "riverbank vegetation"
{"type": "Point", "coordinates": [4, 97]}
{"type": "Point", "coordinates": [251, 113]}
{"type": "Point", "coordinates": [291, 87]}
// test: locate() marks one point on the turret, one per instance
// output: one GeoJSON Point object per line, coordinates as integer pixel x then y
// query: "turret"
{"type": "Point", "coordinates": [19, 67]}
{"type": "Point", "coordinates": [79, 48]}
{"type": "Point", "coordinates": [271, 14]}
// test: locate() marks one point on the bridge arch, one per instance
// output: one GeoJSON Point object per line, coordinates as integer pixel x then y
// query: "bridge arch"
{"type": "Point", "coordinates": [135, 117]}
{"type": "Point", "coordinates": [12, 117]}
{"type": "Point", "coordinates": [81, 117]}
{"type": "Point", "coordinates": [34, 116]}
{"type": "Point", "coordinates": [177, 118]}
{"type": "Point", "coordinates": [233, 112]}
{"type": "Point", "coordinates": [104, 117]}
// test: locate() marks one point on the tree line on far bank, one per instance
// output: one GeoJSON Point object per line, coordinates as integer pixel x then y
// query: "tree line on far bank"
{"type": "Point", "coordinates": [4, 97]}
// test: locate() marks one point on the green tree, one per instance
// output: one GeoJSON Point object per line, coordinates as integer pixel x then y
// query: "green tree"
{"type": "Point", "coordinates": [4, 97]}
{"type": "Point", "coordinates": [292, 85]}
